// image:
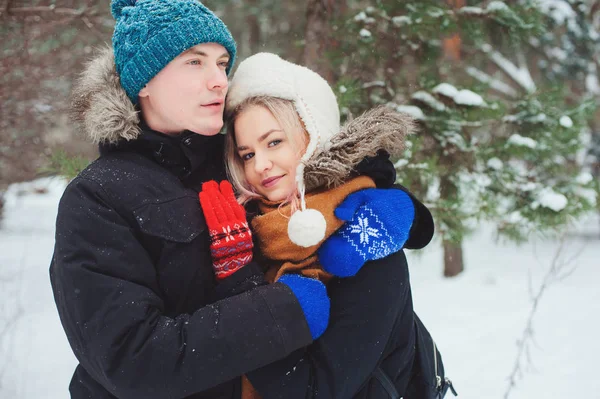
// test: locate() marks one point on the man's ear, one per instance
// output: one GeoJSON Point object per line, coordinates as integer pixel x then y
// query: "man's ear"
{"type": "Point", "coordinates": [144, 92]}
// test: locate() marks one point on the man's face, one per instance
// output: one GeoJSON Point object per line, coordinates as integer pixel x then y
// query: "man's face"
{"type": "Point", "coordinates": [189, 93]}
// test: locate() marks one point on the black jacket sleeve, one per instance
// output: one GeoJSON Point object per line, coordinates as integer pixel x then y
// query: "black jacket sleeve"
{"type": "Point", "coordinates": [364, 310]}
{"type": "Point", "coordinates": [105, 288]}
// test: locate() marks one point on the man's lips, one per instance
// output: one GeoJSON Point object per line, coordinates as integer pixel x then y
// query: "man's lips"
{"type": "Point", "coordinates": [271, 181]}
{"type": "Point", "coordinates": [216, 103]}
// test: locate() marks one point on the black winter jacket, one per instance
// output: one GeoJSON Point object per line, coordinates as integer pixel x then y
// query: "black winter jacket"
{"type": "Point", "coordinates": [133, 280]}
{"type": "Point", "coordinates": [371, 325]}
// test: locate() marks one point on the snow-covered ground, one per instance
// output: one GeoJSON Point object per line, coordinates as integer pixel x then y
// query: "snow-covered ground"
{"type": "Point", "coordinates": [476, 318]}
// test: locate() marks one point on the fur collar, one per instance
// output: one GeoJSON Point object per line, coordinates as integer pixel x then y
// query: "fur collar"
{"type": "Point", "coordinates": [378, 129]}
{"type": "Point", "coordinates": [100, 105]}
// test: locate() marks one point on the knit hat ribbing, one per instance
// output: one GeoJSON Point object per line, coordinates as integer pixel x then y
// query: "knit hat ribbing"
{"type": "Point", "coordinates": [151, 33]}
{"type": "Point", "coordinates": [266, 74]}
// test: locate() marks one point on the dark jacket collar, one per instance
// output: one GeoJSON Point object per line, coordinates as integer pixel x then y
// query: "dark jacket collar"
{"type": "Point", "coordinates": [183, 154]}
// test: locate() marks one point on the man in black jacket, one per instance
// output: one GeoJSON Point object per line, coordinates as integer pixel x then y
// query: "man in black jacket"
{"type": "Point", "coordinates": [132, 271]}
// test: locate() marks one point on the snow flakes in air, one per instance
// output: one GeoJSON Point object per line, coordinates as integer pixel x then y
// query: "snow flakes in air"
{"type": "Point", "coordinates": [518, 140]}
{"type": "Point", "coordinates": [566, 122]}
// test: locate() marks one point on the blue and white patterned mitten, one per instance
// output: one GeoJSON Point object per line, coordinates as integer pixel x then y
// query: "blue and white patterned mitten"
{"type": "Point", "coordinates": [378, 223]}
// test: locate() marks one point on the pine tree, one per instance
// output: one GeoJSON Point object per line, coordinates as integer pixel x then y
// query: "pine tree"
{"type": "Point", "coordinates": [499, 135]}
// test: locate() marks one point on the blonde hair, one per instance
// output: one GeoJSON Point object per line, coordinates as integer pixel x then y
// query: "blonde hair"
{"type": "Point", "coordinates": [286, 115]}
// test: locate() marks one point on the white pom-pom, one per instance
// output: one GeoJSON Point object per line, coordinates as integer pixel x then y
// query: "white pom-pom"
{"type": "Point", "coordinates": [307, 228]}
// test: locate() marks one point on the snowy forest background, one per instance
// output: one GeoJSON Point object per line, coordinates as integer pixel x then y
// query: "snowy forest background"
{"type": "Point", "coordinates": [507, 158]}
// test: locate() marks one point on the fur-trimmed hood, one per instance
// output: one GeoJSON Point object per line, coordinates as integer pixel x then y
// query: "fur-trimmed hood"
{"type": "Point", "coordinates": [378, 129]}
{"type": "Point", "coordinates": [100, 105]}
{"type": "Point", "coordinates": [106, 115]}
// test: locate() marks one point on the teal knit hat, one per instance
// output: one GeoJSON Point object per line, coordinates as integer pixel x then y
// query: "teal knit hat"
{"type": "Point", "coordinates": [151, 33]}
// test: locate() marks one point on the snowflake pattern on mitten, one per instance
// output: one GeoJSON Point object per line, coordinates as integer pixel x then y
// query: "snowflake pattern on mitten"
{"type": "Point", "coordinates": [368, 236]}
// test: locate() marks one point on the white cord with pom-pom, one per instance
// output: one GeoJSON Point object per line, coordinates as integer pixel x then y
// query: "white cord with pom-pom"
{"type": "Point", "coordinates": [306, 227]}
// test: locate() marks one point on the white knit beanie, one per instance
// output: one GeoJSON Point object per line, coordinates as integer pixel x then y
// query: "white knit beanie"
{"type": "Point", "coordinates": [266, 74]}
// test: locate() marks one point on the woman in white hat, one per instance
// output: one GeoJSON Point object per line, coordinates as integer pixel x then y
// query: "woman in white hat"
{"type": "Point", "coordinates": [311, 187]}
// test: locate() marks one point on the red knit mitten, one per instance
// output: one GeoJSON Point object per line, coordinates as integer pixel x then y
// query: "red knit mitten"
{"type": "Point", "coordinates": [230, 238]}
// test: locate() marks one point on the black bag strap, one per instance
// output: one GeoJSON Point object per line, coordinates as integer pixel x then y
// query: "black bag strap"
{"type": "Point", "coordinates": [386, 383]}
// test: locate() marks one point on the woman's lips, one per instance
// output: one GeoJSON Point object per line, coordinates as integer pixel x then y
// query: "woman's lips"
{"type": "Point", "coordinates": [271, 181]}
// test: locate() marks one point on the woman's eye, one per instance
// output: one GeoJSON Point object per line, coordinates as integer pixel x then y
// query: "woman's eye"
{"type": "Point", "coordinates": [224, 64]}
{"type": "Point", "coordinates": [194, 62]}
{"type": "Point", "coordinates": [247, 157]}
{"type": "Point", "coordinates": [274, 143]}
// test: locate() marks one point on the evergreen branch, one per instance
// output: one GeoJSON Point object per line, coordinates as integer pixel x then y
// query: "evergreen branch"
{"type": "Point", "coordinates": [519, 74]}
{"type": "Point", "coordinates": [495, 84]}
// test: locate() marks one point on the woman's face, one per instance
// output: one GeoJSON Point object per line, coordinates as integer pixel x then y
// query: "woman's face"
{"type": "Point", "coordinates": [270, 156]}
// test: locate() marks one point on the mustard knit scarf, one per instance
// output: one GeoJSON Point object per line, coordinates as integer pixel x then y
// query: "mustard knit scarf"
{"type": "Point", "coordinates": [270, 229]}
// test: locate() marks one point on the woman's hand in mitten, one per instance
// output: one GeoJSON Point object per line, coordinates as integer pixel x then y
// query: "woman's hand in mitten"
{"type": "Point", "coordinates": [378, 223]}
{"type": "Point", "coordinates": [230, 238]}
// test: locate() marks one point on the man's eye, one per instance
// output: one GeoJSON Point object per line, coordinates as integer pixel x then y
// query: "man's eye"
{"type": "Point", "coordinates": [194, 62]}
{"type": "Point", "coordinates": [247, 157]}
{"type": "Point", "coordinates": [224, 64]}
{"type": "Point", "coordinates": [274, 143]}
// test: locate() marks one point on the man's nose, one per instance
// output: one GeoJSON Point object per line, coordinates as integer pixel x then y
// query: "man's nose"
{"type": "Point", "coordinates": [218, 79]}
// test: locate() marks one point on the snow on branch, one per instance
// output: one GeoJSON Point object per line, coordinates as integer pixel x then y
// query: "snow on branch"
{"type": "Point", "coordinates": [520, 74]}
{"type": "Point", "coordinates": [495, 84]}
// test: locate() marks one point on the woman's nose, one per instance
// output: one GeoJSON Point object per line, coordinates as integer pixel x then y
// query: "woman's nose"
{"type": "Point", "coordinates": [262, 163]}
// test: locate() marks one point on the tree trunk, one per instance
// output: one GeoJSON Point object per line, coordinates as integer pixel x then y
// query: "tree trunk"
{"type": "Point", "coordinates": [318, 36]}
{"type": "Point", "coordinates": [453, 255]}
{"type": "Point", "coordinates": [253, 26]}
{"type": "Point", "coordinates": [453, 259]}
{"type": "Point", "coordinates": [453, 45]}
